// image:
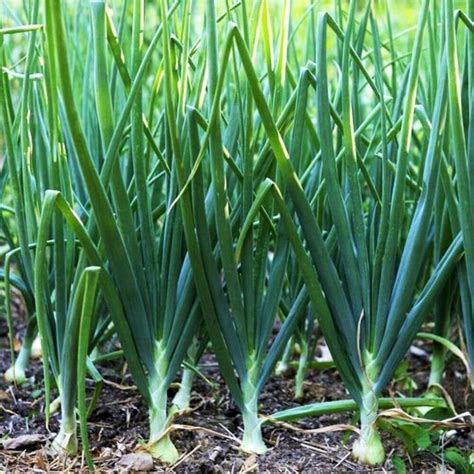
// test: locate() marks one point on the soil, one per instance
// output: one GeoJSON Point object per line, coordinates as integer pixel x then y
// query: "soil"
{"type": "Point", "coordinates": [206, 436]}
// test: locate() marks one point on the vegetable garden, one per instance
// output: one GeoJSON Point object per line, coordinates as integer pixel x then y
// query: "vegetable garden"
{"type": "Point", "coordinates": [216, 199]}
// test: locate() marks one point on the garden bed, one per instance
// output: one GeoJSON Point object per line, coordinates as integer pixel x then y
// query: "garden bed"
{"type": "Point", "coordinates": [120, 424]}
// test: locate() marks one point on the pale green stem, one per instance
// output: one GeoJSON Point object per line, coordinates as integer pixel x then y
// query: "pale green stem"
{"type": "Point", "coordinates": [54, 405]}
{"type": "Point", "coordinates": [17, 372]}
{"type": "Point", "coordinates": [252, 441]}
{"type": "Point", "coordinates": [160, 445]}
{"type": "Point", "coordinates": [300, 373]}
{"type": "Point", "coordinates": [437, 368]}
{"type": "Point", "coordinates": [283, 363]}
{"type": "Point", "coordinates": [368, 449]}
{"type": "Point", "coordinates": [181, 400]}
{"type": "Point", "coordinates": [66, 440]}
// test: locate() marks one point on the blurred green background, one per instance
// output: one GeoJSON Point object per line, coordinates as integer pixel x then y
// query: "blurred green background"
{"type": "Point", "coordinates": [405, 11]}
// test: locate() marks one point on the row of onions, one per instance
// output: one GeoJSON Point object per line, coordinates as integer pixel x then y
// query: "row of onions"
{"type": "Point", "coordinates": [186, 177]}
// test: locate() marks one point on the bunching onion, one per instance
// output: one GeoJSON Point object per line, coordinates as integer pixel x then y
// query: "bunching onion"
{"type": "Point", "coordinates": [207, 175]}
{"type": "Point", "coordinates": [19, 221]}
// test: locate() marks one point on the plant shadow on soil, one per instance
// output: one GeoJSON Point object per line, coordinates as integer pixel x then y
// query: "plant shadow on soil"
{"type": "Point", "coordinates": [119, 424]}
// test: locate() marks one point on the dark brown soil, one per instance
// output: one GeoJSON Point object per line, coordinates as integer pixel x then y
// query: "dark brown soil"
{"type": "Point", "coordinates": [206, 437]}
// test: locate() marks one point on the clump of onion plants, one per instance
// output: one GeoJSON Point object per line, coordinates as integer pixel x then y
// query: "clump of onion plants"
{"type": "Point", "coordinates": [132, 234]}
{"type": "Point", "coordinates": [372, 292]}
